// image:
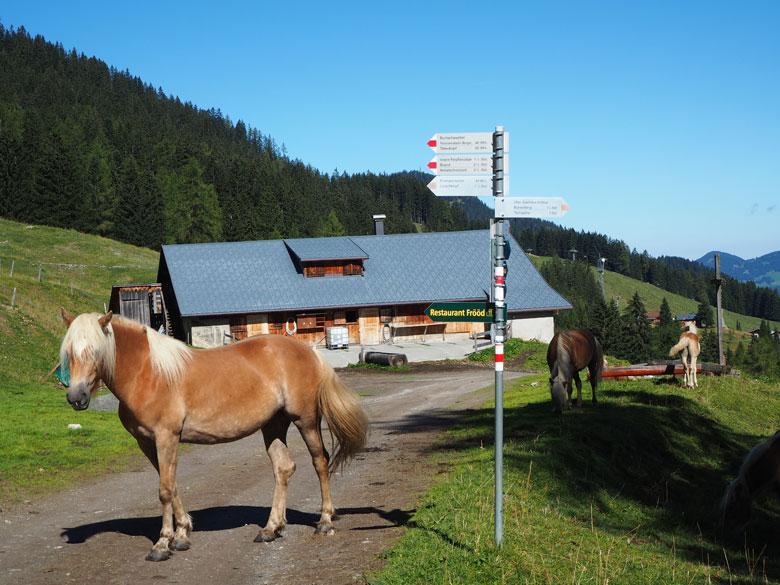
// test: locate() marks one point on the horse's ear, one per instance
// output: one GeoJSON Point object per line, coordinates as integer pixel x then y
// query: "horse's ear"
{"type": "Point", "coordinates": [67, 318]}
{"type": "Point", "coordinates": [105, 319]}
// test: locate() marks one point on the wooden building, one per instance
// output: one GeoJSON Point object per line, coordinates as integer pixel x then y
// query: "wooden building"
{"type": "Point", "coordinates": [376, 286]}
{"type": "Point", "coordinates": [141, 302]}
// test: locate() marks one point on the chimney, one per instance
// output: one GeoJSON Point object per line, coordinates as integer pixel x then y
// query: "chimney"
{"type": "Point", "coordinates": [379, 224]}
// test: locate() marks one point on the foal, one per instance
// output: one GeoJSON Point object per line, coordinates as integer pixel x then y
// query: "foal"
{"type": "Point", "coordinates": [690, 347]}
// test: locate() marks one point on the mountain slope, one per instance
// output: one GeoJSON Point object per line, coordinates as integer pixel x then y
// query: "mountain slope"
{"type": "Point", "coordinates": [764, 270]}
{"type": "Point", "coordinates": [86, 146]}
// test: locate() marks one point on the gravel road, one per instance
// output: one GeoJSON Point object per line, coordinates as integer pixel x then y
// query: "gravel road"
{"type": "Point", "coordinates": [100, 532]}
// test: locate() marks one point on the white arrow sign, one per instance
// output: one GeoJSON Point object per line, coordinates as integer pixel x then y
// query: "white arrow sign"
{"type": "Point", "coordinates": [463, 164]}
{"type": "Point", "coordinates": [462, 186]}
{"type": "Point", "coordinates": [465, 142]}
{"type": "Point", "coordinates": [531, 206]}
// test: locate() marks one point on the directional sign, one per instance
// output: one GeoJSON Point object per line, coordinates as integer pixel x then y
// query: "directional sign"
{"type": "Point", "coordinates": [531, 207]}
{"type": "Point", "coordinates": [461, 312]}
{"type": "Point", "coordinates": [462, 186]}
{"type": "Point", "coordinates": [462, 143]}
{"type": "Point", "coordinates": [463, 164]}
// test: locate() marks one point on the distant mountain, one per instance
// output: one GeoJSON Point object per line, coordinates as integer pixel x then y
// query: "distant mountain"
{"type": "Point", "coordinates": [764, 270]}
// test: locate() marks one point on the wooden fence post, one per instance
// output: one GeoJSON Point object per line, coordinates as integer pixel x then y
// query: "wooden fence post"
{"type": "Point", "coordinates": [13, 298]}
{"type": "Point", "coordinates": [40, 271]}
{"type": "Point", "coordinates": [12, 268]}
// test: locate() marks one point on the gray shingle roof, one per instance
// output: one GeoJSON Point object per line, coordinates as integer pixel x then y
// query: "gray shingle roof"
{"type": "Point", "coordinates": [309, 249]}
{"type": "Point", "coordinates": [255, 277]}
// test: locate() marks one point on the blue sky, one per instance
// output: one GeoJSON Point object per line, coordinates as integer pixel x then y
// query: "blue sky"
{"type": "Point", "coordinates": [659, 122]}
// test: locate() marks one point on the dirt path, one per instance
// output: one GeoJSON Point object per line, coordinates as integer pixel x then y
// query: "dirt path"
{"type": "Point", "coordinates": [100, 533]}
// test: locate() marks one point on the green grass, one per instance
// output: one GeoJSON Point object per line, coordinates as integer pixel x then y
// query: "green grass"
{"type": "Point", "coordinates": [37, 451]}
{"type": "Point", "coordinates": [625, 492]}
{"type": "Point", "coordinates": [534, 352]}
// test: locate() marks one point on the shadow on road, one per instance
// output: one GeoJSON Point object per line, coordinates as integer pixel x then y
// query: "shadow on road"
{"type": "Point", "coordinates": [227, 518]}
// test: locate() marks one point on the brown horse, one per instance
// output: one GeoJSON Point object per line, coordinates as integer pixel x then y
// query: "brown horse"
{"type": "Point", "coordinates": [568, 353]}
{"type": "Point", "coordinates": [170, 393]}
{"type": "Point", "coordinates": [759, 472]}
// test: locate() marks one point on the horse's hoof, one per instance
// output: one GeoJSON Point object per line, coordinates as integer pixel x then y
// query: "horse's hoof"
{"type": "Point", "coordinates": [158, 555]}
{"type": "Point", "coordinates": [325, 529]}
{"type": "Point", "coordinates": [265, 536]}
{"type": "Point", "coordinates": [180, 545]}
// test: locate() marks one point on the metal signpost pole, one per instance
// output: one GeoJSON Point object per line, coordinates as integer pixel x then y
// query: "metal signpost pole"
{"type": "Point", "coordinates": [499, 274]}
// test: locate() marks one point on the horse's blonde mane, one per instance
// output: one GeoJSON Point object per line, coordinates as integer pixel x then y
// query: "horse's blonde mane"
{"type": "Point", "coordinates": [169, 356]}
{"type": "Point", "coordinates": [85, 339]}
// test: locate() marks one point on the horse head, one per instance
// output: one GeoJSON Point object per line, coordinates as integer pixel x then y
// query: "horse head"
{"type": "Point", "coordinates": [84, 354]}
{"type": "Point", "coordinates": [558, 393]}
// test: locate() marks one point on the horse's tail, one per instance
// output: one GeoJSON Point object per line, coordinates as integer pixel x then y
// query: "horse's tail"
{"type": "Point", "coordinates": [598, 357]}
{"type": "Point", "coordinates": [679, 346]}
{"type": "Point", "coordinates": [346, 419]}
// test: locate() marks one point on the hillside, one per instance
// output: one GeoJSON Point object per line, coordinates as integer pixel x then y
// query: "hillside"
{"type": "Point", "coordinates": [764, 270]}
{"type": "Point", "coordinates": [84, 145]}
{"type": "Point", "coordinates": [621, 288]}
{"type": "Point", "coordinates": [76, 271]}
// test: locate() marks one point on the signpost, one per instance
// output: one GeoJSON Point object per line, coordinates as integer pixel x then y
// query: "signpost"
{"type": "Point", "coordinates": [462, 186]}
{"type": "Point", "coordinates": [461, 312]}
{"type": "Point", "coordinates": [477, 164]}
{"type": "Point", "coordinates": [462, 142]}
{"type": "Point", "coordinates": [468, 164]}
{"type": "Point", "coordinates": [531, 207]}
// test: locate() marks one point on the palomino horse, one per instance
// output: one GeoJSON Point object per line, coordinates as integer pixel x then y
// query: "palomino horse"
{"type": "Point", "coordinates": [690, 348]}
{"type": "Point", "coordinates": [568, 353]}
{"type": "Point", "coordinates": [170, 393]}
{"type": "Point", "coordinates": [759, 472]}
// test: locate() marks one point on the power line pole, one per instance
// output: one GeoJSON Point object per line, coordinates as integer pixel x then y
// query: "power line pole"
{"type": "Point", "coordinates": [718, 286]}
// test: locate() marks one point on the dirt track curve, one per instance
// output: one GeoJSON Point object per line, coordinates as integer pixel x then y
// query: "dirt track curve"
{"type": "Point", "coordinates": [101, 532]}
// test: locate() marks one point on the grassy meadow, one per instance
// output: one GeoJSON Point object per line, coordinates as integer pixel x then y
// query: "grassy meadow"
{"type": "Point", "coordinates": [38, 451]}
{"type": "Point", "coordinates": [623, 492]}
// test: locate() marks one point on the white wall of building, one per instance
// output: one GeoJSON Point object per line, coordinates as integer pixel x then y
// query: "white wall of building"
{"type": "Point", "coordinates": [539, 328]}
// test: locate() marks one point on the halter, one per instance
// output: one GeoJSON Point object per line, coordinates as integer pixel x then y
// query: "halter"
{"type": "Point", "coordinates": [62, 373]}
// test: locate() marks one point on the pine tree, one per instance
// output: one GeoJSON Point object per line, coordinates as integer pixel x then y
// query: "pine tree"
{"type": "Point", "coordinates": [332, 226]}
{"type": "Point", "coordinates": [704, 313]}
{"type": "Point", "coordinates": [666, 333]}
{"type": "Point", "coordinates": [636, 331]}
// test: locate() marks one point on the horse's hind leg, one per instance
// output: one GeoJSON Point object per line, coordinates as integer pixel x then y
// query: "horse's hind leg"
{"type": "Point", "coordinates": [310, 431]}
{"type": "Point", "coordinates": [578, 382]}
{"type": "Point", "coordinates": [694, 378]}
{"type": "Point", "coordinates": [593, 375]}
{"type": "Point", "coordinates": [275, 437]}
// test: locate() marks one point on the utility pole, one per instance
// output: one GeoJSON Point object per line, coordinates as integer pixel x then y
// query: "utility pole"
{"type": "Point", "coordinates": [718, 281]}
{"type": "Point", "coordinates": [601, 267]}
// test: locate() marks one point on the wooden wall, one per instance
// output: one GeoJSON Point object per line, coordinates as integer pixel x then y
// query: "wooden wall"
{"type": "Point", "coordinates": [367, 325]}
{"type": "Point", "coordinates": [333, 268]}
